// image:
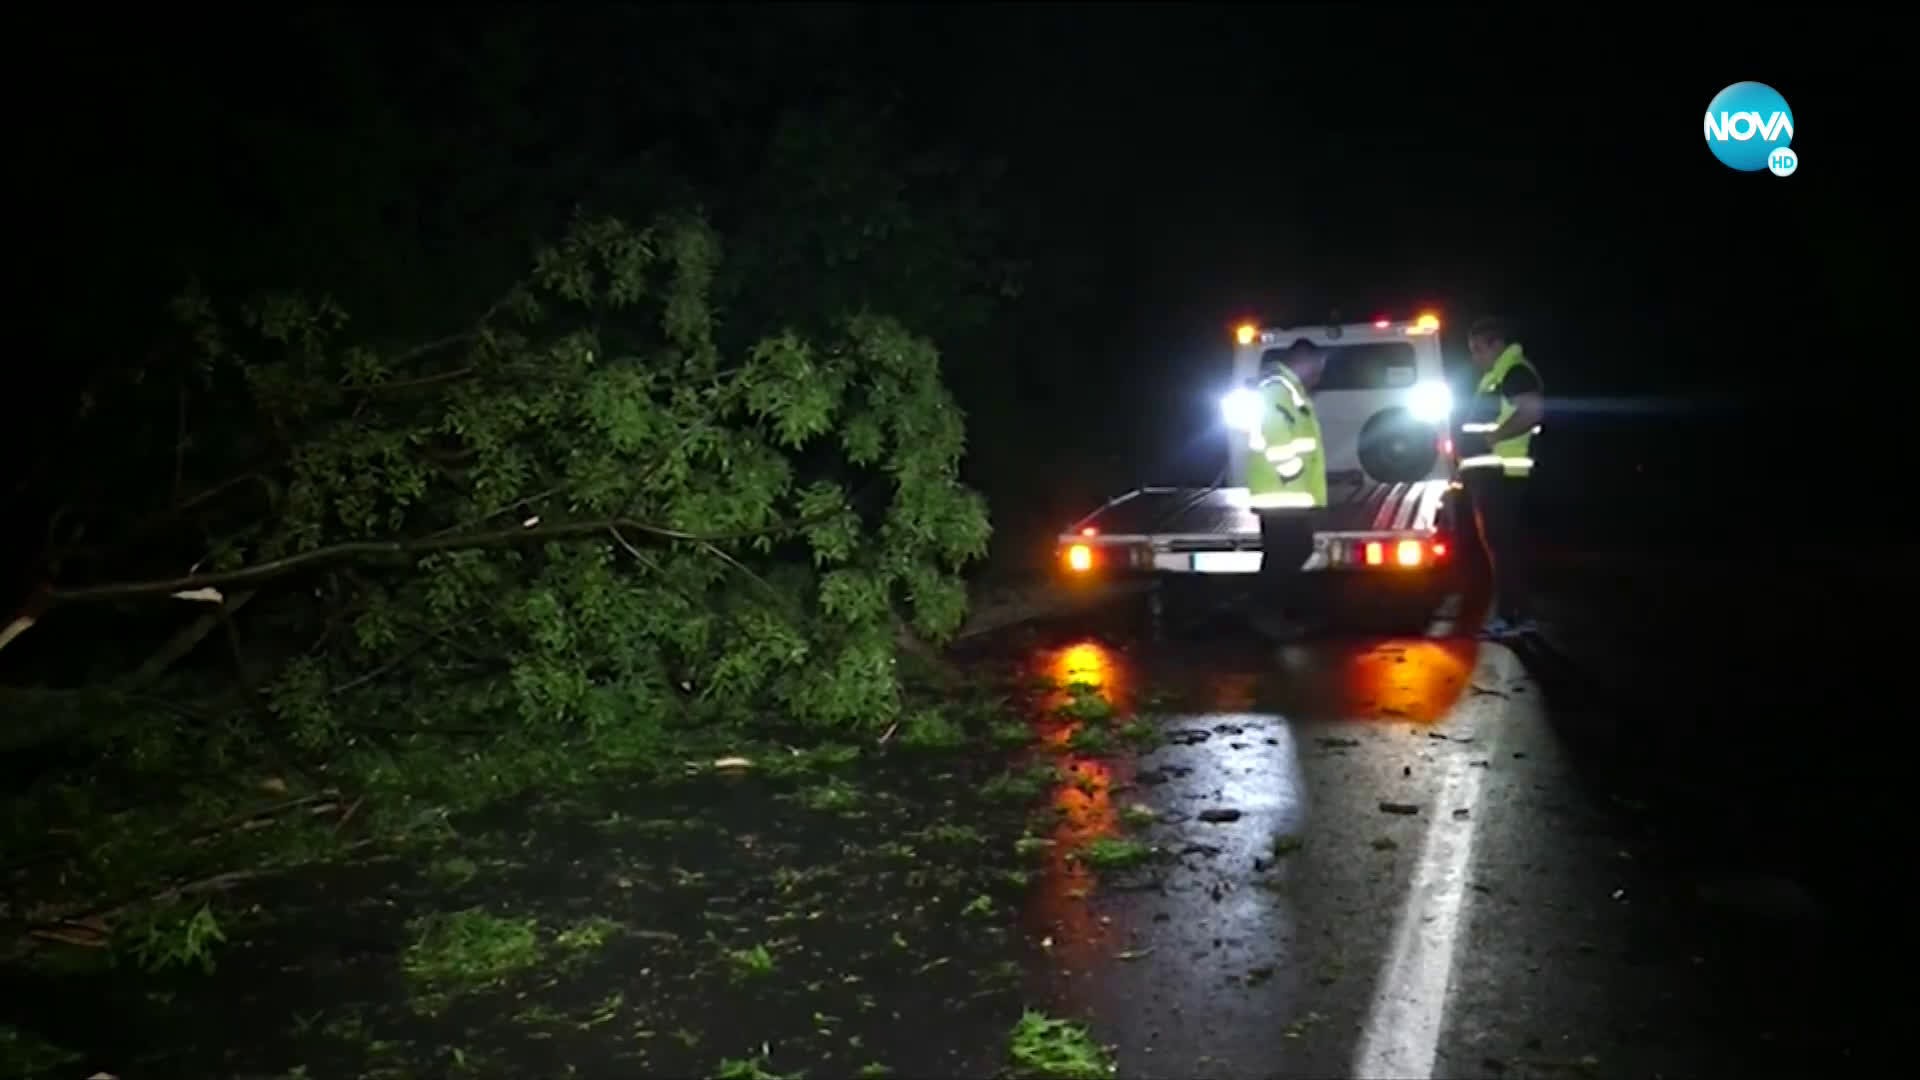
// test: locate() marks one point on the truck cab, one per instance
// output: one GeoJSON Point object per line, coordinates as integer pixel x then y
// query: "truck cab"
{"type": "Point", "coordinates": [1383, 401]}
{"type": "Point", "coordinates": [1385, 423]}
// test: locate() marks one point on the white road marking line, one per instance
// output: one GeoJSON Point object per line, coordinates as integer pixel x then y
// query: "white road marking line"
{"type": "Point", "coordinates": [1402, 1034]}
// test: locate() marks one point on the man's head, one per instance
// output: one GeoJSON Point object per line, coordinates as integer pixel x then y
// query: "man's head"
{"type": "Point", "coordinates": [1487, 339]}
{"type": "Point", "coordinates": [1306, 360]}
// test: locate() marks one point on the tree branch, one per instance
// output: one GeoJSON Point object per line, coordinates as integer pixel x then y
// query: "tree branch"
{"type": "Point", "coordinates": [183, 642]}
{"type": "Point", "coordinates": [396, 386]}
{"type": "Point", "coordinates": [392, 549]}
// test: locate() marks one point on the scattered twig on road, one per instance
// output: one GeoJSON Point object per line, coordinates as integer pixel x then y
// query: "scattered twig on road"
{"type": "Point", "coordinates": [352, 809]}
{"type": "Point", "coordinates": [97, 920]}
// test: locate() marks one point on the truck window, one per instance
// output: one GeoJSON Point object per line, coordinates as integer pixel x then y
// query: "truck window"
{"type": "Point", "coordinates": [1371, 365]}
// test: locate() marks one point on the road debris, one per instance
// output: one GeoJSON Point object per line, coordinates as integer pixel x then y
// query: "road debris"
{"type": "Point", "coordinates": [1398, 808]}
{"type": "Point", "coordinates": [1300, 1027]}
{"type": "Point", "coordinates": [1219, 815]}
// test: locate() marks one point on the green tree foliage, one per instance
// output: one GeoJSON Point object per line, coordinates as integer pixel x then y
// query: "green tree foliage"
{"type": "Point", "coordinates": [401, 173]}
{"type": "Point", "coordinates": [584, 516]}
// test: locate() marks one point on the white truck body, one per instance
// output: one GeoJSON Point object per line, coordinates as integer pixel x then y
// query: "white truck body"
{"type": "Point", "coordinates": [1384, 416]}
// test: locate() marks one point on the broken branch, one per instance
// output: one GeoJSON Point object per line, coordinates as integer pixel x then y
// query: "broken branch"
{"type": "Point", "coordinates": [388, 549]}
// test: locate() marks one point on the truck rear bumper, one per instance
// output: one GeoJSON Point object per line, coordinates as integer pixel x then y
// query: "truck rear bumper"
{"type": "Point", "coordinates": [1370, 528]}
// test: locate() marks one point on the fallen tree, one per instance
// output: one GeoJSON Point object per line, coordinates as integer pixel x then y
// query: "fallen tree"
{"type": "Point", "coordinates": [575, 535]}
{"type": "Point", "coordinates": [580, 486]}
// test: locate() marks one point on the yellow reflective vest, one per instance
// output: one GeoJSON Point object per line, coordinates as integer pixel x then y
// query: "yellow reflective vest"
{"type": "Point", "coordinates": [1513, 457]}
{"type": "Point", "coordinates": [1286, 464]}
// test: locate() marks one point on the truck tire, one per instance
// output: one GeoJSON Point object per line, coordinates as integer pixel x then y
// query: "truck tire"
{"type": "Point", "coordinates": [1397, 449]}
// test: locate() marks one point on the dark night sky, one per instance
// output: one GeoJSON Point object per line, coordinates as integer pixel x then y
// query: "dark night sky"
{"type": "Point", "coordinates": [1185, 165]}
{"type": "Point", "coordinates": [1289, 159]}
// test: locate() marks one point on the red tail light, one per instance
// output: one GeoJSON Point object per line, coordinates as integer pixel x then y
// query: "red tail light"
{"type": "Point", "coordinates": [1404, 554]}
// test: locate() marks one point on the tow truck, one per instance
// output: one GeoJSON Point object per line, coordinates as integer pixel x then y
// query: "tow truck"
{"type": "Point", "coordinates": [1385, 409]}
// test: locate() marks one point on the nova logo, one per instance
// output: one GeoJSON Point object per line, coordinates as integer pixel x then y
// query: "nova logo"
{"type": "Point", "coordinates": [1749, 128]}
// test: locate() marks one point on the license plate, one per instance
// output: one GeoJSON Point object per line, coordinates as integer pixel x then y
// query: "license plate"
{"type": "Point", "coordinates": [1226, 562]}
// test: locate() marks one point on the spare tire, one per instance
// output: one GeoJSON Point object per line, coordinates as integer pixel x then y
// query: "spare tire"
{"type": "Point", "coordinates": [1397, 449]}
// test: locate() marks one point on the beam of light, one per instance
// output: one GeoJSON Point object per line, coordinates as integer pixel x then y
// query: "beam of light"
{"type": "Point", "coordinates": [1644, 405]}
{"type": "Point", "coordinates": [1430, 402]}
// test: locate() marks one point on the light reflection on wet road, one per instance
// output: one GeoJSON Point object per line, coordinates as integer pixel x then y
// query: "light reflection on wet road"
{"type": "Point", "coordinates": [1252, 942]}
{"type": "Point", "coordinates": [1419, 865]}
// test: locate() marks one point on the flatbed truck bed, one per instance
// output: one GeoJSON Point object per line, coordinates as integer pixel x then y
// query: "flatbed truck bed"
{"type": "Point", "coordinates": [1368, 525]}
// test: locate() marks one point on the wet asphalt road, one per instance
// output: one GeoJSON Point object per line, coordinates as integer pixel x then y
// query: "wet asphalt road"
{"type": "Point", "coordinates": [1386, 856]}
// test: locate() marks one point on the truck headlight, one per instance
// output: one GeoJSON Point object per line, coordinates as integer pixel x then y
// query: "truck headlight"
{"type": "Point", "coordinates": [1430, 402]}
{"type": "Point", "coordinates": [1241, 409]}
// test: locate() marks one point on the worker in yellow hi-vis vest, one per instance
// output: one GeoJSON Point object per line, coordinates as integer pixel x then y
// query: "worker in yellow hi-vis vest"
{"type": "Point", "coordinates": [1495, 448]}
{"type": "Point", "coordinates": [1287, 484]}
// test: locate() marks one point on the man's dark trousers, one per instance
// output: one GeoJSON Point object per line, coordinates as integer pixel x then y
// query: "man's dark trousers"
{"type": "Point", "coordinates": [1500, 516]}
{"type": "Point", "coordinates": [1286, 543]}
